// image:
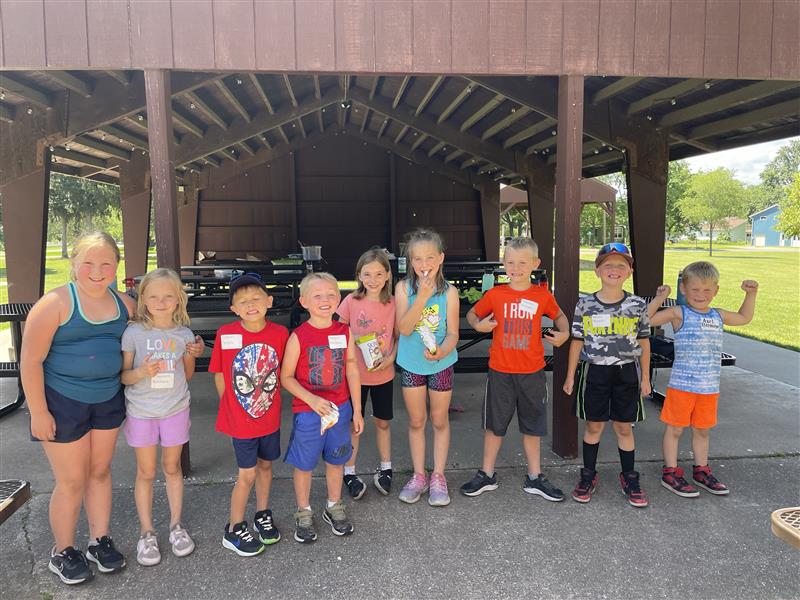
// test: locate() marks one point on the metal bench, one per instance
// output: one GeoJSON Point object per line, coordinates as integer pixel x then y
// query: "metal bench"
{"type": "Point", "coordinates": [14, 313]}
{"type": "Point", "coordinates": [13, 494]}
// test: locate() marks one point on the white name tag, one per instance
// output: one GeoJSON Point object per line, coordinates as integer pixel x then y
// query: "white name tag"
{"type": "Point", "coordinates": [708, 323]}
{"type": "Point", "coordinates": [231, 341]}
{"type": "Point", "coordinates": [163, 381]}
{"type": "Point", "coordinates": [337, 341]}
{"type": "Point", "coordinates": [528, 306]}
{"type": "Point", "coordinates": [601, 320]}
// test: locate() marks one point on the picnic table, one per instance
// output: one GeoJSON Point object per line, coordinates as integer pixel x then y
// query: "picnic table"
{"type": "Point", "coordinates": [13, 494]}
{"type": "Point", "coordinates": [15, 314]}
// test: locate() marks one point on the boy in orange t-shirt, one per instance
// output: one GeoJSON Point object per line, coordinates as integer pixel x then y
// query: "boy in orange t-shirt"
{"type": "Point", "coordinates": [513, 313]}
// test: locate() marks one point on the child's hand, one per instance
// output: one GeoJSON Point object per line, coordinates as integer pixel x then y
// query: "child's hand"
{"type": "Point", "coordinates": [646, 388]}
{"type": "Point", "coordinates": [358, 424]}
{"type": "Point", "coordinates": [486, 324]}
{"type": "Point", "coordinates": [569, 384]}
{"type": "Point", "coordinates": [749, 286]}
{"type": "Point", "coordinates": [43, 426]}
{"type": "Point", "coordinates": [556, 337]}
{"type": "Point", "coordinates": [426, 286]}
{"type": "Point", "coordinates": [383, 363]}
{"type": "Point", "coordinates": [196, 348]}
{"type": "Point", "coordinates": [149, 367]}
{"type": "Point", "coordinates": [320, 406]}
{"type": "Point", "coordinates": [432, 357]}
{"type": "Point", "coordinates": [663, 291]}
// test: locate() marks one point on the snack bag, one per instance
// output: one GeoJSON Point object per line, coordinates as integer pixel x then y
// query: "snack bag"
{"type": "Point", "coordinates": [427, 326]}
{"type": "Point", "coordinates": [329, 420]}
{"type": "Point", "coordinates": [370, 350]}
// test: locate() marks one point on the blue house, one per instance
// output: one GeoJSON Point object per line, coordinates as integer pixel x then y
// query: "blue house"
{"type": "Point", "coordinates": [764, 231]}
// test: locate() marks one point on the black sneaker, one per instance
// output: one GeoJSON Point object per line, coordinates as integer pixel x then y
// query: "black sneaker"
{"type": "Point", "coordinates": [267, 532]}
{"type": "Point", "coordinates": [107, 558]}
{"type": "Point", "coordinates": [355, 486]}
{"type": "Point", "coordinates": [304, 531]}
{"type": "Point", "coordinates": [383, 480]}
{"type": "Point", "coordinates": [70, 566]}
{"type": "Point", "coordinates": [241, 541]}
{"type": "Point", "coordinates": [479, 484]}
{"type": "Point", "coordinates": [336, 517]}
{"type": "Point", "coordinates": [541, 486]}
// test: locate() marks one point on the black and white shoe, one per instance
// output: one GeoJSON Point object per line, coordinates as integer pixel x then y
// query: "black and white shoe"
{"type": "Point", "coordinates": [541, 486]}
{"type": "Point", "coordinates": [267, 532]}
{"type": "Point", "coordinates": [355, 485]}
{"type": "Point", "coordinates": [479, 484]}
{"type": "Point", "coordinates": [239, 539]}
{"type": "Point", "coordinates": [336, 517]}
{"type": "Point", "coordinates": [70, 566]}
{"type": "Point", "coordinates": [107, 558]}
{"type": "Point", "coordinates": [383, 481]}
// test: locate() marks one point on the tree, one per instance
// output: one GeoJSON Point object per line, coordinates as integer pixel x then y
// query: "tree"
{"type": "Point", "coordinates": [76, 202]}
{"type": "Point", "coordinates": [777, 175]}
{"type": "Point", "coordinates": [789, 218]}
{"type": "Point", "coordinates": [712, 197]}
{"type": "Point", "coordinates": [677, 183]}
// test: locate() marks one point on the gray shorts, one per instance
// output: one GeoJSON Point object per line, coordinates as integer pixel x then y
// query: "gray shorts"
{"type": "Point", "coordinates": [524, 392]}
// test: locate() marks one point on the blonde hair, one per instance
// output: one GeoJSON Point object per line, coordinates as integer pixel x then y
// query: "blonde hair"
{"type": "Point", "coordinates": [524, 243]}
{"type": "Point", "coordinates": [702, 270]}
{"type": "Point", "coordinates": [85, 243]}
{"type": "Point", "coordinates": [321, 276]}
{"type": "Point", "coordinates": [379, 256]}
{"type": "Point", "coordinates": [425, 235]}
{"type": "Point", "coordinates": [180, 316]}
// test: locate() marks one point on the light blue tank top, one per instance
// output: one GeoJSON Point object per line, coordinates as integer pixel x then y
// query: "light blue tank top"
{"type": "Point", "coordinates": [698, 350]}
{"type": "Point", "coordinates": [411, 350]}
{"type": "Point", "coordinates": [85, 358]}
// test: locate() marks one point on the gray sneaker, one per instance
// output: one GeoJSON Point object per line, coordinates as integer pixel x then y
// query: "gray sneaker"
{"type": "Point", "coordinates": [182, 544]}
{"type": "Point", "coordinates": [304, 531]}
{"type": "Point", "coordinates": [147, 552]}
{"type": "Point", "coordinates": [336, 517]}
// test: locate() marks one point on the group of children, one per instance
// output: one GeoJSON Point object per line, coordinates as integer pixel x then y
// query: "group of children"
{"type": "Point", "coordinates": [332, 366]}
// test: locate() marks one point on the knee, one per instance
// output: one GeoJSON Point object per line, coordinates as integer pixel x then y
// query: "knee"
{"type": "Point", "coordinates": [172, 468]}
{"type": "Point", "coordinates": [673, 431]}
{"type": "Point", "coordinates": [145, 472]}
{"type": "Point", "coordinates": [264, 467]}
{"type": "Point", "coordinates": [701, 433]}
{"type": "Point", "coordinates": [247, 476]}
{"type": "Point", "coordinates": [594, 427]}
{"type": "Point", "coordinates": [440, 422]}
{"type": "Point", "coordinates": [102, 472]}
{"type": "Point", "coordinates": [416, 423]}
{"type": "Point", "coordinates": [381, 424]}
{"type": "Point", "coordinates": [72, 485]}
{"type": "Point", "coordinates": [623, 429]}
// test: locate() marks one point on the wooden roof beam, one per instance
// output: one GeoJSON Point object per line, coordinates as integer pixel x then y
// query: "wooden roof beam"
{"type": "Point", "coordinates": [320, 120]}
{"type": "Point", "coordinates": [344, 113]}
{"type": "Point", "coordinates": [7, 113]}
{"type": "Point", "coordinates": [282, 133]}
{"type": "Point", "coordinates": [419, 141]}
{"type": "Point", "coordinates": [211, 160]}
{"type": "Point", "coordinates": [753, 117]}
{"type": "Point", "coordinates": [429, 95]}
{"type": "Point", "coordinates": [228, 94]}
{"type": "Point", "coordinates": [516, 114]}
{"type": "Point", "coordinates": [453, 155]}
{"type": "Point", "coordinates": [121, 76]}
{"type": "Point", "coordinates": [435, 149]}
{"type": "Point", "coordinates": [611, 90]}
{"type": "Point", "coordinates": [398, 98]}
{"type": "Point", "coordinates": [72, 83]}
{"type": "Point", "coordinates": [262, 93]}
{"type": "Point", "coordinates": [18, 88]}
{"type": "Point", "coordinates": [317, 89]}
{"type": "Point", "coordinates": [666, 95]}
{"type": "Point", "coordinates": [457, 101]}
{"type": "Point", "coordinates": [230, 154]}
{"type": "Point", "coordinates": [704, 146]}
{"type": "Point", "coordinates": [262, 138]}
{"type": "Point", "coordinates": [191, 126]}
{"type": "Point", "coordinates": [290, 90]}
{"type": "Point", "coordinates": [80, 157]}
{"type": "Point", "coordinates": [376, 82]}
{"type": "Point", "coordinates": [399, 137]}
{"type": "Point", "coordinates": [482, 112]}
{"type": "Point", "coordinates": [197, 103]}
{"type": "Point", "coordinates": [383, 127]}
{"type": "Point", "coordinates": [243, 145]}
{"type": "Point", "coordinates": [124, 136]}
{"type": "Point", "coordinates": [365, 120]}
{"type": "Point", "coordinates": [299, 122]}
{"type": "Point", "coordinates": [101, 146]}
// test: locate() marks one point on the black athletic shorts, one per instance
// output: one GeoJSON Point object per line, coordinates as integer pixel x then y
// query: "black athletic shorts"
{"type": "Point", "coordinates": [74, 419]}
{"type": "Point", "coordinates": [382, 396]}
{"type": "Point", "coordinates": [525, 393]}
{"type": "Point", "coordinates": [609, 392]}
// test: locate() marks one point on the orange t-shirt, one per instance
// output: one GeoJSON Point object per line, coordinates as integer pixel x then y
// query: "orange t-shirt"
{"type": "Point", "coordinates": [517, 339]}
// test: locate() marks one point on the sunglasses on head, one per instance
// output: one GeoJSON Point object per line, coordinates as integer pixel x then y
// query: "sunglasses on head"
{"type": "Point", "coordinates": [236, 276]}
{"type": "Point", "coordinates": [614, 247]}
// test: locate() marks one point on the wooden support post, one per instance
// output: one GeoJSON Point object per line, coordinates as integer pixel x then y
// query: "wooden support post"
{"type": "Point", "coordinates": [293, 200]}
{"type": "Point", "coordinates": [647, 161]}
{"type": "Point", "coordinates": [134, 194]}
{"type": "Point", "coordinates": [393, 239]}
{"type": "Point", "coordinates": [541, 183]}
{"type": "Point", "coordinates": [187, 220]}
{"type": "Point", "coordinates": [490, 219]}
{"type": "Point", "coordinates": [162, 166]}
{"type": "Point", "coordinates": [567, 256]}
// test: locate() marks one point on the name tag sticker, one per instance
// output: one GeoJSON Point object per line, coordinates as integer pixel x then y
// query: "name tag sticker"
{"type": "Point", "coordinates": [601, 320]}
{"type": "Point", "coordinates": [231, 341]}
{"type": "Point", "coordinates": [163, 381]}
{"type": "Point", "coordinates": [337, 341]}
{"type": "Point", "coordinates": [709, 324]}
{"type": "Point", "coordinates": [528, 306]}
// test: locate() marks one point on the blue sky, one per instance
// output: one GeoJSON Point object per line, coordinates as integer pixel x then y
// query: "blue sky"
{"type": "Point", "coordinates": [746, 162]}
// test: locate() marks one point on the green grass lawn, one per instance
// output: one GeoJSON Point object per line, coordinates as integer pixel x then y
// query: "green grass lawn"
{"type": "Point", "coordinates": [777, 272]}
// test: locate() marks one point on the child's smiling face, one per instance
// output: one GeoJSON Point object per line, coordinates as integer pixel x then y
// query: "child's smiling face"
{"type": "Point", "coordinates": [251, 303]}
{"type": "Point", "coordinates": [374, 277]}
{"type": "Point", "coordinates": [321, 299]}
{"type": "Point", "coordinates": [161, 299]}
{"type": "Point", "coordinates": [614, 271]}
{"type": "Point", "coordinates": [96, 268]}
{"type": "Point", "coordinates": [519, 264]}
{"type": "Point", "coordinates": [425, 258]}
{"type": "Point", "coordinates": [699, 292]}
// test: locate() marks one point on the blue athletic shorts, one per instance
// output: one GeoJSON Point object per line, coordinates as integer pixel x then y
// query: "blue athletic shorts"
{"type": "Point", "coordinates": [248, 451]}
{"type": "Point", "coordinates": [75, 419]}
{"type": "Point", "coordinates": [306, 444]}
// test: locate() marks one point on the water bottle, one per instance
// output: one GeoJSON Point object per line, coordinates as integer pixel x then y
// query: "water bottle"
{"type": "Point", "coordinates": [681, 299]}
{"type": "Point", "coordinates": [401, 265]}
{"type": "Point", "coordinates": [487, 281]}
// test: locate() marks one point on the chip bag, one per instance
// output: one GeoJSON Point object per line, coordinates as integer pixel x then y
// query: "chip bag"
{"type": "Point", "coordinates": [370, 350]}
{"type": "Point", "coordinates": [329, 420]}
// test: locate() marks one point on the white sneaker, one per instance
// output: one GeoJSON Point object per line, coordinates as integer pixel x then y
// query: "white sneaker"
{"type": "Point", "coordinates": [182, 544]}
{"type": "Point", "coordinates": [147, 552]}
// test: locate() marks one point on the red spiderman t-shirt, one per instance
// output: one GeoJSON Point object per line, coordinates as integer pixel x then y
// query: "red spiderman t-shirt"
{"type": "Point", "coordinates": [321, 364]}
{"type": "Point", "coordinates": [250, 363]}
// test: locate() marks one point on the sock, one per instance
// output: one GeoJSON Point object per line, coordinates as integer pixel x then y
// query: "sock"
{"type": "Point", "coordinates": [533, 476]}
{"type": "Point", "coordinates": [304, 508]}
{"type": "Point", "coordinates": [93, 542]}
{"type": "Point", "coordinates": [626, 459]}
{"type": "Point", "coordinates": [386, 465]}
{"type": "Point", "coordinates": [330, 503]}
{"type": "Point", "coordinates": [489, 475]}
{"type": "Point", "coordinates": [350, 470]}
{"type": "Point", "coordinates": [590, 455]}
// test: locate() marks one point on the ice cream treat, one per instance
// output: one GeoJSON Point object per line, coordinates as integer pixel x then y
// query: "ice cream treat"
{"type": "Point", "coordinates": [370, 349]}
{"type": "Point", "coordinates": [329, 420]}
{"type": "Point", "coordinates": [427, 327]}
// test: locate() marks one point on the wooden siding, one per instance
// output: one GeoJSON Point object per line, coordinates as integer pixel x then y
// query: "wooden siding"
{"type": "Point", "coordinates": [714, 39]}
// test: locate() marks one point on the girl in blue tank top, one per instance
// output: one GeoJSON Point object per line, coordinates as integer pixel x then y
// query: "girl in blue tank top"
{"type": "Point", "coordinates": [427, 315]}
{"type": "Point", "coordinates": [70, 368]}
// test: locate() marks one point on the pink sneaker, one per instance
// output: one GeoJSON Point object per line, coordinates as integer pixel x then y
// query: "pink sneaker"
{"type": "Point", "coordinates": [439, 494]}
{"type": "Point", "coordinates": [416, 486]}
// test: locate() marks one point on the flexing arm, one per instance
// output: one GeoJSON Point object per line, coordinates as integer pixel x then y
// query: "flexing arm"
{"type": "Point", "coordinates": [746, 310]}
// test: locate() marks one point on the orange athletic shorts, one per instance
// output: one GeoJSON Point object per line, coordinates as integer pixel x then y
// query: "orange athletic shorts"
{"type": "Point", "coordinates": [682, 409]}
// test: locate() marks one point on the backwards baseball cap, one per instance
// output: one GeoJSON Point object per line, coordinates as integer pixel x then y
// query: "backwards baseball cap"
{"type": "Point", "coordinates": [612, 249]}
{"type": "Point", "coordinates": [245, 280]}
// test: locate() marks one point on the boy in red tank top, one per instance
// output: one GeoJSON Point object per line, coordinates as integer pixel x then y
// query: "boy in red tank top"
{"type": "Point", "coordinates": [320, 371]}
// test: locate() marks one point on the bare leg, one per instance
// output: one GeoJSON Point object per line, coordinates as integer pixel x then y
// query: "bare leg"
{"type": "Point", "coordinates": [171, 465]}
{"type": "Point", "coordinates": [98, 488]}
{"type": "Point", "coordinates": [700, 439]}
{"type": "Point", "coordinates": [592, 431]}
{"type": "Point", "coordinates": [241, 494]}
{"type": "Point", "coordinates": [383, 439]}
{"type": "Point", "coordinates": [263, 483]}
{"type": "Point", "coordinates": [440, 419]}
{"type": "Point", "coordinates": [146, 461]}
{"type": "Point", "coordinates": [672, 437]}
{"type": "Point", "coordinates": [417, 416]}
{"type": "Point", "coordinates": [532, 445]}
{"type": "Point", "coordinates": [302, 488]}
{"type": "Point", "coordinates": [333, 477]}
{"type": "Point", "coordinates": [70, 465]}
{"type": "Point", "coordinates": [491, 447]}
{"type": "Point", "coordinates": [624, 433]}
{"type": "Point", "coordinates": [355, 439]}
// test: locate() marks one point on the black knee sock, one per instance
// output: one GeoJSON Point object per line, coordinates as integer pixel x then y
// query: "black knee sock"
{"type": "Point", "coordinates": [626, 459]}
{"type": "Point", "coordinates": [590, 455]}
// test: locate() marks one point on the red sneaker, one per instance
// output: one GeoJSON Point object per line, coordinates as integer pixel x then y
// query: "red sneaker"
{"type": "Point", "coordinates": [630, 487]}
{"type": "Point", "coordinates": [672, 479]}
{"type": "Point", "coordinates": [702, 476]}
{"type": "Point", "coordinates": [586, 486]}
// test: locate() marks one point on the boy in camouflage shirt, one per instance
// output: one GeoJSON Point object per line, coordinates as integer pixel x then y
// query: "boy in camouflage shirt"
{"type": "Point", "coordinates": [610, 333]}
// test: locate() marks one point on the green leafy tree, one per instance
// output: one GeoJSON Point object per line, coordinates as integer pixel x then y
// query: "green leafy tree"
{"type": "Point", "coordinates": [76, 203]}
{"type": "Point", "coordinates": [677, 183]}
{"type": "Point", "coordinates": [712, 197]}
{"type": "Point", "coordinates": [789, 218]}
{"type": "Point", "coordinates": [779, 172]}
{"type": "Point", "coordinates": [757, 197]}
{"type": "Point", "coordinates": [617, 181]}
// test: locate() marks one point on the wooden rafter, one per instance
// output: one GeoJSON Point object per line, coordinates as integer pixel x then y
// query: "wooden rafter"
{"type": "Point", "coordinates": [516, 114]}
{"type": "Point", "coordinates": [125, 136]}
{"type": "Point", "coordinates": [179, 117]}
{"type": "Point", "coordinates": [300, 126]}
{"type": "Point", "coordinates": [228, 94]}
{"type": "Point", "coordinates": [19, 88]}
{"type": "Point", "coordinates": [419, 141]}
{"type": "Point", "coordinates": [121, 76]}
{"type": "Point", "coordinates": [243, 145]}
{"type": "Point", "coordinates": [383, 127]}
{"type": "Point", "coordinates": [80, 157]}
{"type": "Point", "coordinates": [435, 149]}
{"type": "Point", "coordinates": [674, 91]}
{"type": "Point", "coordinates": [398, 97]}
{"type": "Point", "coordinates": [429, 95]}
{"type": "Point", "coordinates": [317, 89]}
{"type": "Point", "coordinates": [262, 93]}
{"type": "Point", "coordinates": [615, 88]}
{"type": "Point", "coordinates": [321, 120]}
{"type": "Point", "coordinates": [456, 102]}
{"type": "Point", "coordinates": [365, 120]}
{"type": "Point", "coordinates": [376, 82]}
{"type": "Point", "coordinates": [482, 112]}
{"type": "Point", "coordinates": [752, 117]}
{"type": "Point", "coordinates": [282, 133]}
{"type": "Point", "coordinates": [69, 81]}
{"type": "Point", "coordinates": [398, 138]}
{"type": "Point", "coordinates": [290, 90]}
{"type": "Point", "coordinates": [453, 155]}
{"type": "Point", "coordinates": [197, 103]}
{"type": "Point", "coordinates": [101, 146]}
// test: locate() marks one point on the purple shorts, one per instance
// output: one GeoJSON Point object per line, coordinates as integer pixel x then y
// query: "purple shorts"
{"type": "Point", "coordinates": [170, 431]}
{"type": "Point", "coordinates": [438, 382]}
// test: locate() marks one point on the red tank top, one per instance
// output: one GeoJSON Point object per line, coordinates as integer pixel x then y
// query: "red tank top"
{"type": "Point", "coordinates": [321, 364]}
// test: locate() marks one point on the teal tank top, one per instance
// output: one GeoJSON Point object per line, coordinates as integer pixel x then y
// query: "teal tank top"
{"type": "Point", "coordinates": [411, 350]}
{"type": "Point", "coordinates": [85, 358]}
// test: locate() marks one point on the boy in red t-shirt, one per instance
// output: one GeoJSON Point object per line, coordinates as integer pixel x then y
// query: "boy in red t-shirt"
{"type": "Point", "coordinates": [246, 361]}
{"type": "Point", "coordinates": [321, 372]}
{"type": "Point", "coordinates": [513, 313]}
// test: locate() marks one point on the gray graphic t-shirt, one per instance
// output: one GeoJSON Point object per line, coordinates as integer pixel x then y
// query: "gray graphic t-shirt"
{"type": "Point", "coordinates": [610, 332]}
{"type": "Point", "coordinates": [167, 393]}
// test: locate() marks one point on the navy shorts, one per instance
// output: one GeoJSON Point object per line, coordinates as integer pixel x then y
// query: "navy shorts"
{"type": "Point", "coordinates": [249, 450]}
{"type": "Point", "coordinates": [306, 444]}
{"type": "Point", "coordinates": [75, 419]}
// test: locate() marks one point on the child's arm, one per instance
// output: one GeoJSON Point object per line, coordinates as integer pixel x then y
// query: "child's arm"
{"type": "Point", "coordinates": [290, 357]}
{"type": "Point", "coordinates": [560, 334]}
{"type": "Point", "coordinates": [670, 315]}
{"type": "Point", "coordinates": [147, 369]}
{"type": "Point", "coordinates": [407, 316]}
{"type": "Point", "coordinates": [484, 325]}
{"type": "Point", "coordinates": [450, 340]}
{"type": "Point", "coordinates": [193, 350]}
{"type": "Point", "coordinates": [746, 310]}
{"type": "Point", "coordinates": [354, 385]}
{"type": "Point", "coordinates": [219, 383]}
{"type": "Point", "coordinates": [575, 348]}
{"type": "Point", "coordinates": [644, 364]}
